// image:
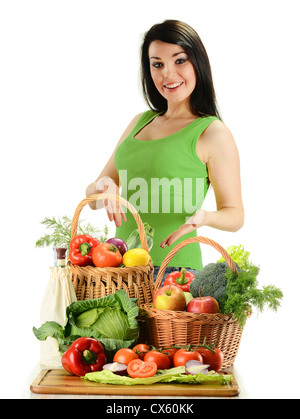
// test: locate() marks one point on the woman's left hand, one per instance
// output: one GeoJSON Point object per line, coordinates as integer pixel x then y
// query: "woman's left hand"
{"type": "Point", "coordinates": [196, 221]}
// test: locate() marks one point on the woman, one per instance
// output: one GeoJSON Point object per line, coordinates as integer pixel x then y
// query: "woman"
{"type": "Point", "coordinates": [169, 155]}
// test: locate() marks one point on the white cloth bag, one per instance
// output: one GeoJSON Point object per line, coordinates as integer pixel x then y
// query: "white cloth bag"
{"type": "Point", "coordinates": [59, 295]}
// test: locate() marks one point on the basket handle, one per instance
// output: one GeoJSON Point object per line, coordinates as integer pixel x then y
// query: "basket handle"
{"type": "Point", "coordinates": [117, 198]}
{"type": "Point", "coordinates": [179, 246]}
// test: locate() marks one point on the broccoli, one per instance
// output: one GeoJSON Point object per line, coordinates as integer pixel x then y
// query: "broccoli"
{"type": "Point", "coordinates": [236, 294]}
{"type": "Point", "coordinates": [212, 281]}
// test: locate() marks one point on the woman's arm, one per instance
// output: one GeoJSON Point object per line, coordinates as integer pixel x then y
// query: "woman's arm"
{"type": "Point", "coordinates": [217, 149]}
{"type": "Point", "coordinates": [223, 164]}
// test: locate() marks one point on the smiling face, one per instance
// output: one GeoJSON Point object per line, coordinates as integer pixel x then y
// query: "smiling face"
{"type": "Point", "coordinates": [172, 71]}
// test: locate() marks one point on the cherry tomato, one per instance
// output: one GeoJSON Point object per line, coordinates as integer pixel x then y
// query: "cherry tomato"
{"type": "Point", "coordinates": [124, 356]}
{"type": "Point", "coordinates": [214, 361]}
{"type": "Point", "coordinates": [182, 356]}
{"type": "Point", "coordinates": [162, 361]}
{"type": "Point", "coordinates": [141, 369]}
{"type": "Point", "coordinates": [141, 349]}
{"type": "Point", "coordinates": [106, 254]}
{"type": "Point", "coordinates": [171, 353]}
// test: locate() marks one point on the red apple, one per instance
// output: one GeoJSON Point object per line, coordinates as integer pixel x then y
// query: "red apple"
{"type": "Point", "coordinates": [169, 297]}
{"type": "Point", "coordinates": [203, 305]}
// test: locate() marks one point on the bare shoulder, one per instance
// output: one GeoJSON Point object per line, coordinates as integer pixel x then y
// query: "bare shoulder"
{"type": "Point", "coordinates": [217, 131]}
{"type": "Point", "coordinates": [130, 127]}
{"type": "Point", "coordinates": [216, 139]}
{"type": "Point", "coordinates": [134, 121]}
{"type": "Point", "coordinates": [136, 118]}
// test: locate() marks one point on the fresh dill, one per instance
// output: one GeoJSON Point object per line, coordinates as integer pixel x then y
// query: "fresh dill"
{"type": "Point", "coordinates": [60, 232]}
{"type": "Point", "coordinates": [243, 293]}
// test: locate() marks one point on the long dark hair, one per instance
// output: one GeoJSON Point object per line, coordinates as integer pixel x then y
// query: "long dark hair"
{"type": "Point", "coordinates": [203, 99]}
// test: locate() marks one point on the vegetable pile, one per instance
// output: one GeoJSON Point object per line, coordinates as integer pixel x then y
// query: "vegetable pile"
{"type": "Point", "coordinates": [238, 292]}
{"type": "Point", "coordinates": [97, 341]}
{"type": "Point", "coordinates": [85, 250]}
{"type": "Point", "coordinates": [147, 365]}
{"type": "Point", "coordinates": [107, 327]}
{"type": "Point", "coordinates": [90, 248]}
{"type": "Point", "coordinates": [217, 289]}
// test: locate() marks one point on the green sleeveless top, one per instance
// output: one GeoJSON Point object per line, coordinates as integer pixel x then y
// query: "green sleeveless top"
{"type": "Point", "coordinates": [166, 182]}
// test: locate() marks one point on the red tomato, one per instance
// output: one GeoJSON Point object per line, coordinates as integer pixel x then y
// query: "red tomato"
{"type": "Point", "coordinates": [124, 356]}
{"type": "Point", "coordinates": [214, 361]}
{"type": "Point", "coordinates": [162, 361]}
{"type": "Point", "coordinates": [141, 349]}
{"type": "Point", "coordinates": [171, 353]}
{"type": "Point", "coordinates": [182, 356]}
{"type": "Point", "coordinates": [141, 369]}
{"type": "Point", "coordinates": [105, 255]}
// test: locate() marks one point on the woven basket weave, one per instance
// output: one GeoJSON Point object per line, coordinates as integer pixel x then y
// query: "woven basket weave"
{"type": "Point", "coordinates": [93, 282]}
{"type": "Point", "coordinates": [165, 328]}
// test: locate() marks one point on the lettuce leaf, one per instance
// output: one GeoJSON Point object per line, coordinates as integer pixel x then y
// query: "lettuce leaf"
{"type": "Point", "coordinates": [239, 255]}
{"type": "Point", "coordinates": [174, 375]}
{"type": "Point", "coordinates": [111, 319]}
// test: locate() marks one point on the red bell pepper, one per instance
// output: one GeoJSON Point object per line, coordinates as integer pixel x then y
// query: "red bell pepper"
{"type": "Point", "coordinates": [180, 279]}
{"type": "Point", "coordinates": [81, 249]}
{"type": "Point", "coordinates": [83, 356]}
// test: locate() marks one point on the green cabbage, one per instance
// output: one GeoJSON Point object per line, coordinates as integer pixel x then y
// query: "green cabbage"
{"type": "Point", "coordinates": [111, 319]}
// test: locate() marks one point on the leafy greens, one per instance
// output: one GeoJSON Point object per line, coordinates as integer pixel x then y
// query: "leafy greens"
{"type": "Point", "coordinates": [111, 319]}
{"type": "Point", "coordinates": [175, 375]}
{"type": "Point", "coordinates": [242, 292]}
{"type": "Point", "coordinates": [238, 254]}
{"type": "Point", "coordinates": [242, 288]}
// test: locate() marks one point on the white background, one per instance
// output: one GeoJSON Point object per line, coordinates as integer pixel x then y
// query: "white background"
{"type": "Point", "coordinates": [69, 86]}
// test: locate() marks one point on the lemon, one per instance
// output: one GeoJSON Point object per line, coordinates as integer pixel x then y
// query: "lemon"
{"type": "Point", "coordinates": [136, 257]}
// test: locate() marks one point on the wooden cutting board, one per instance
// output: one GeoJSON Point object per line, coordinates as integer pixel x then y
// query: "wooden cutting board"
{"type": "Point", "coordinates": [58, 381]}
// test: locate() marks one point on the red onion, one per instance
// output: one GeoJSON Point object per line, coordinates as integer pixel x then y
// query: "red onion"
{"type": "Point", "coordinates": [119, 243]}
{"type": "Point", "coordinates": [116, 367]}
{"type": "Point", "coordinates": [193, 367]}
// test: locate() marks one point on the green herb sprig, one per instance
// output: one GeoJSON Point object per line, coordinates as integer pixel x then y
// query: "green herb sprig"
{"type": "Point", "coordinates": [60, 232]}
{"type": "Point", "coordinates": [242, 293]}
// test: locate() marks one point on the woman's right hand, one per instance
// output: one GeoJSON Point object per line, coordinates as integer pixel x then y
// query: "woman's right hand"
{"type": "Point", "coordinates": [113, 208]}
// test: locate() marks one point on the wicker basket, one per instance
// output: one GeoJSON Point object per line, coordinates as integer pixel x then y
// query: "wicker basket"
{"type": "Point", "coordinates": [165, 328]}
{"type": "Point", "coordinates": [92, 282]}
